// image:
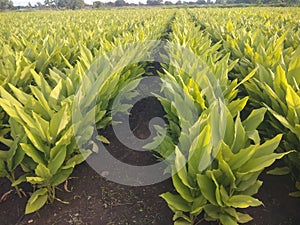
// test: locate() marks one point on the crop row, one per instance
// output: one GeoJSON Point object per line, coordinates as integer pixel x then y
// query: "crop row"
{"type": "Point", "coordinates": [230, 92]}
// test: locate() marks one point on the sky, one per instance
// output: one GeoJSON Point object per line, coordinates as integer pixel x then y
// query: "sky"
{"type": "Point", "coordinates": [33, 2]}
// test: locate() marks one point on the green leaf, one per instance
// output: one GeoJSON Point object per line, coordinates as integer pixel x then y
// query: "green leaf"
{"type": "Point", "coordinates": [295, 194]}
{"type": "Point", "coordinates": [183, 190]}
{"type": "Point", "coordinates": [237, 106]}
{"type": "Point", "coordinates": [284, 122]}
{"type": "Point", "coordinates": [223, 193]}
{"type": "Point", "coordinates": [248, 77]}
{"type": "Point", "coordinates": [197, 205]}
{"type": "Point", "coordinates": [41, 82]}
{"type": "Point", "coordinates": [268, 147]}
{"type": "Point", "coordinates": [207, 188]}
{"type": "Point", "coordinates": [243, 218]}
{"type": "Point", "coordinates": [59, 122]}
{"type": "Point", "coordinates": [180, 216]}
{"type": "Point", "coordinates": [200, 151]}
{"type": "Point", "coordinates": [279, 171]}
{"type": "Point", "coordinates": [180, 166]}
{"type": "Point", "coordinates": [176, 202]}
{"type": "Point", "coordinates": [253, 189]}
{"type": "Point", "coordinates": [29, 121]}
{"type": "Point", "coordinates": [41, 99]}
{"type": "Point", "coordinates": [43, 127]}
{"type": "Point", "coordinates": [225, 168]}
{"type": "Point", "coordinates": [16, 155]}
{"type": "Point", "coordinates": [20, 95]}
{"type": "Point", "coordinates": [32, 153]}
{"type": "Point", "coordinates": [16, 129]}
{"type": "Point", "coordinates": [9, 109]}
{"type": "Point", "coordinates": [182, 222]}
{"type": "Point", "coordinates": [37, 200]}
{"type": "Point", "coordinates": [7, 96]}
{"type": "Point", "coordinates": [227, 220]}
{"type": "Point", "coordinates": [42, 171]}
{"type": "Point", "coordinates": [229, 26]}
{"type": "Point", "coordinates": [217, 119]}
{"type": "Point", "coordinates": [294, 66]}
{"type": "Point", "coordinates": [20, 180]}
{"type": "Point", "coordinates": [243, 201]}
{"type": "Point", "coordinates": [99, 115]}
{"type": "Point", "coordinates": [62, 175]}
{"type": "Point", "coordinates": [239, 136]}
{"type": "Point", "coordinates": [243, 156]}
{"type": "Point", "coordinates": [212, 211]}
{"type": "Point", "coordinates": [217, 189]}
{"type": "Point", "coordinates": [258, 164]}
{"type": "Point", "coordinates": [36, 180]}
{"type": "Point", "coordinates": [298, 185]}
{"type": "Point", "coordinates": [103, 139]}
{"type": "Point", "coordinates": [55, 94]}
{"type": "Point", "coordinates": [36, 140]}
{"type": "Point", "coordinates": [293, 102]}
{"type": "Point", "coordinates": [57, 158]}
{"type": "Point", "coordinates": [3, 172]}
{"type": "Point", "coordinates": [67, 137]}
{"type": "Point", "coordinates": [246, 180]}
{"type": "Point", "coordinates": [231, 212]}
{"type": "Point", "coordinates": [254, 119]}
{"type": "Point", "coordinates": [79, 158]}
{"type": "Point", "coordinates": [254, 136]}
{"type": "Point", "coordinates": [86, 55]}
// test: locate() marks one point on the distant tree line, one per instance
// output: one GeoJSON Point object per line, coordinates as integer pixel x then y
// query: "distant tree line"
{"type": "Point", "coordinates": [257, 1]}
{"type": "Point", "coordinates": [6, 4]}
{"type": "Point", "coordinates": [64, 4]}
{"type": "Point", "coordinates": [79, 4]}
{"type": "Point", "coordinates": [99, 4]}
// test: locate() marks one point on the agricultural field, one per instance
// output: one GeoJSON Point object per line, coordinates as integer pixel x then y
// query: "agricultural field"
{"type": "Point", "coordinates": [157, 116]}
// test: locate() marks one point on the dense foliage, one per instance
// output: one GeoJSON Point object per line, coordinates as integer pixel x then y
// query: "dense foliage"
{"type": "Point", "coordinates": [226, 122]}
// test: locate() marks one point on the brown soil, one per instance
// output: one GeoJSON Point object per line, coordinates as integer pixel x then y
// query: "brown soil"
{"type": "Point", "coordinates": [97, 201]}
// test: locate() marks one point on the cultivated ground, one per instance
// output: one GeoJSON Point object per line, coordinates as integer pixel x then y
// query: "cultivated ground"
{"type": "Point", "coordinates": [94, 200]}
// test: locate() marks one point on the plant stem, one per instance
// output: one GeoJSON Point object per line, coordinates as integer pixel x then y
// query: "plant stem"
{"type": "Point", "coordinates": [51, 191]}
{"type": "Point", "coordinates": [18, 191]}
{"type": "Point", "coordinates": [12, 180]}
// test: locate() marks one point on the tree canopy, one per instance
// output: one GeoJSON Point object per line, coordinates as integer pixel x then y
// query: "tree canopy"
{"type": "Point", "coordinates": [6, 4]}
